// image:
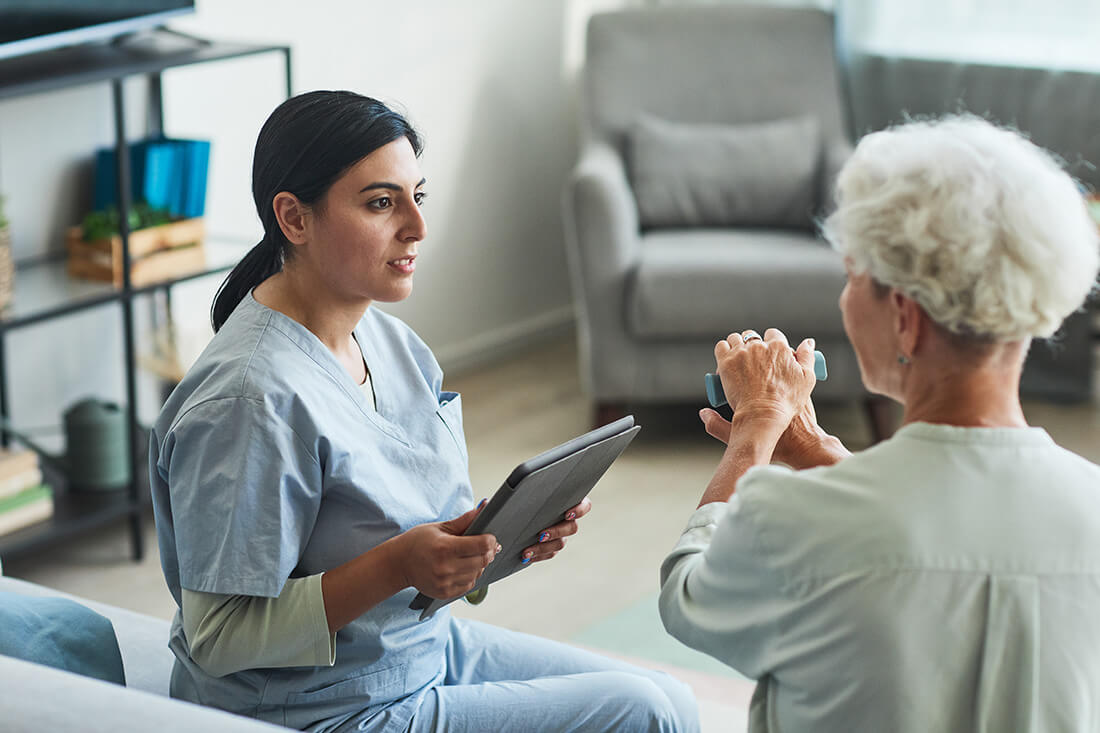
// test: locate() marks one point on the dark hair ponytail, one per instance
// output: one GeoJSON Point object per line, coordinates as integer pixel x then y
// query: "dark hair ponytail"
{"type": "Point", "coordinates": [305, 146]}
{"type": "Point", "coordinates": [261, 262]}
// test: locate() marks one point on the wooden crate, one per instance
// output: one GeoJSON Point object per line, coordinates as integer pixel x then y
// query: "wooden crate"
{"type": "Point", "coordinates": [156, 253]}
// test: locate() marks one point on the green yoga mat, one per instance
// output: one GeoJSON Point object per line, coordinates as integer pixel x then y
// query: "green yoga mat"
{"type": "Point", "coordinates": [636, 631]}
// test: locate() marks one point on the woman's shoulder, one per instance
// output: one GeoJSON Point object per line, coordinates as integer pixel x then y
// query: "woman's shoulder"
{"type": "Point", "coordinates": [924, 471]}
{"type": "Point", "coordinates": [248, 356]}
{"type": "Point", "coordinates": [777, 489]}
{"type": "Point", "coordinates": [864, 487]}
{"type": "Point", "coordinates": [249, 360]}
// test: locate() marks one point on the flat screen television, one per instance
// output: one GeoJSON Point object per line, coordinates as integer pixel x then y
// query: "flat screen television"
{"type": "Point", "coordinates": [29, 26]}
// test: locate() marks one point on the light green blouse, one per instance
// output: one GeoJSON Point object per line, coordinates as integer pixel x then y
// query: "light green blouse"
{"type": "Point", "coordinates": [947, 579]}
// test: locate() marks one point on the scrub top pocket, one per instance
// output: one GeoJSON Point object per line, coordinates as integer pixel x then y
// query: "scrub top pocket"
{"type": "Point", "coordinates": [450, 412]}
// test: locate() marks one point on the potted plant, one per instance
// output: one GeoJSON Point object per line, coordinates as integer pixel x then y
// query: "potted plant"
{"type": "Point", "coordinates": [160, 246]}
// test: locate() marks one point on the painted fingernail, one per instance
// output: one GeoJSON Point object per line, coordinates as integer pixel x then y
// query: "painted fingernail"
{"type": "Point", "coordinates": [525, 560]}
{"type": "Point", "coordinates": [483, 502]}
{"type": "Point", "coordinates": [544, 536]}
{"type": "Point", "coordinates": [499, 548]}
{"type": "Point", "coordinates": [571, 516]}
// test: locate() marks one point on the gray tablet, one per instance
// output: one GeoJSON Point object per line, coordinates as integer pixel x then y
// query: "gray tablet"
{"type": "Point", "coordinates": [536, 495]}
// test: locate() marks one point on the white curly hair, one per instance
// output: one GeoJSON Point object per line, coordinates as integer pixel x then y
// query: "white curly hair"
{"type": "Point", "coordinates": [981, 227]}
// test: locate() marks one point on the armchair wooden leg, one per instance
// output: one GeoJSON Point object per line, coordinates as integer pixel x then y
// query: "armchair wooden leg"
{"type": "Point", "coordinates": [608, 412]}
{"type": "Point", "coordinates": [880, 413]}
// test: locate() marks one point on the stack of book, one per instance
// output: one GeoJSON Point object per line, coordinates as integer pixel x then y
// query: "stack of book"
{"type": "Point", "coordinates": [24, 499]}
{"type": "Point", "coordinates": [166, 173]}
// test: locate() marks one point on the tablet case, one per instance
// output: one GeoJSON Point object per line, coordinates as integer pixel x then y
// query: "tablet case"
{"type": "Point", "coordinates": [536, 495]}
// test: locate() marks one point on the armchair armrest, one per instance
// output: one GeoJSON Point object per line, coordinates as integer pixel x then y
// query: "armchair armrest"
{"type": "Point", "coordinates": [602, 243]}
{"type": "Point", "coordinates": [601, 216]}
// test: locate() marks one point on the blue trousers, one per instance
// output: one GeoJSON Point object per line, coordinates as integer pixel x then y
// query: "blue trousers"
{"type": "Point", "coordinates": [500, 680]}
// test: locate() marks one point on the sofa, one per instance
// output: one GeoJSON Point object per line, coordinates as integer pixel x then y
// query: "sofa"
{"type": "Point", "coordinates": [37, 698]}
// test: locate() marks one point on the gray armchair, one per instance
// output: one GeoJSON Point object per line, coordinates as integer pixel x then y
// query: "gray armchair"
{"type": "Point", "coordinates": [679, 224]}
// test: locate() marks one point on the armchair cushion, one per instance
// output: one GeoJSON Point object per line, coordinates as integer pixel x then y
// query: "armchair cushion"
{"type": "Point", "coordinates": [701, 283]}
{"type": "Point", "coordinates": [698, 175]}
{"type": "Point", "coordinates": [59, 633]}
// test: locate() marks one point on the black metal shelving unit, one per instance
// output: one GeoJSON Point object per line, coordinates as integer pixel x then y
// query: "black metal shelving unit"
{"type": "Point", "coordinates": [43, 291]}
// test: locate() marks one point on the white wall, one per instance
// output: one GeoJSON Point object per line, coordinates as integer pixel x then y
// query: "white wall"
{"type": "Point", "coordinates": [489, 83]}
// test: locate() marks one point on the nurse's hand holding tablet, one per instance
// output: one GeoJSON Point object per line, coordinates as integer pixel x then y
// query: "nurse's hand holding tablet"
{"type": "Point", "coordinates": [442, 563]}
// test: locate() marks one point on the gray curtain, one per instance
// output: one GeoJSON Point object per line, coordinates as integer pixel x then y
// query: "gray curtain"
{"type": "Point", "coordinates": [1031, 64]}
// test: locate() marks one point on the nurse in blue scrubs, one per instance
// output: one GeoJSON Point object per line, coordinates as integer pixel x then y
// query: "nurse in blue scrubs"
{"type": "Point", "coordinates": [310, 476]}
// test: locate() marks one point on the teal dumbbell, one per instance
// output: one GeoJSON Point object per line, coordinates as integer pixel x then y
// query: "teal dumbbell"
{"type": "Point", "coordinates": [717, 397]}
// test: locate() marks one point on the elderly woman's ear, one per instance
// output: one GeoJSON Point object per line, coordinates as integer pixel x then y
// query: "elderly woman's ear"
{"type": "Point", "coordinates": [910, 321]}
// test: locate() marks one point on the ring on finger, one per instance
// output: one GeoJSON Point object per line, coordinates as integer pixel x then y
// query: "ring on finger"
{"type": "Point", "coordinates": [750, 335]}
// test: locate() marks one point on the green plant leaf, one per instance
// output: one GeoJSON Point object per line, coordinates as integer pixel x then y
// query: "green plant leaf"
{"type": "Point", "coordinates": [104, 224]}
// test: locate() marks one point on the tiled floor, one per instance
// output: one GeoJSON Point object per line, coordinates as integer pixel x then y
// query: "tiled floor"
{"type": "Point", "coordinates": [600, 592]}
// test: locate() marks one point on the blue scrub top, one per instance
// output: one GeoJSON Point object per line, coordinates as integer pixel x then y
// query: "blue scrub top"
{"type": "Point", "coordinates": [267, 463]}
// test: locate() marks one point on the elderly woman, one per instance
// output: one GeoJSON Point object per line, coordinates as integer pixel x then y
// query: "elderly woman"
{"type": "Point", "coordinates": [947, 579]}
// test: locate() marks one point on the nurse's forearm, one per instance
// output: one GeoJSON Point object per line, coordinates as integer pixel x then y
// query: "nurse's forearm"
{"type": "Point", "coordinates": [352, 589]}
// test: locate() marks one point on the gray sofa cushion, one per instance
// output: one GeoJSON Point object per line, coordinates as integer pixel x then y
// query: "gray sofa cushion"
{"type": "Point", "coordinates": [704, 283]}
{"type": "Point", "coordinates": [690, 175]}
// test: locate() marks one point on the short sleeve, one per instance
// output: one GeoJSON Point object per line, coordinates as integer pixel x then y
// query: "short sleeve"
{"type": "Point", "coordinates": [244, 491]}
{"type": "Point", "coordinates": [720, 591]}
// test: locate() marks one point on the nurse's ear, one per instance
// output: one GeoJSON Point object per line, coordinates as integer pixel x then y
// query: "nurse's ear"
{"type": "Point", "coordinates": [293, 217]}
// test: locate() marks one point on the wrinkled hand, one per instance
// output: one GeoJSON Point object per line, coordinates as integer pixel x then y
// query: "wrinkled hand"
{"type": "Point", "coordinates": [552, 539]}
{"type": "Point", "coordinates": [440, 562]}
{"type": "Point", "coordinates": [763, 378]}
{"type": "Point", "coordinates": [801, 436]}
